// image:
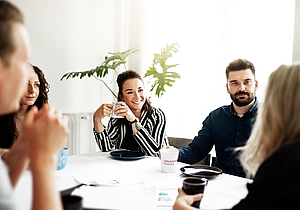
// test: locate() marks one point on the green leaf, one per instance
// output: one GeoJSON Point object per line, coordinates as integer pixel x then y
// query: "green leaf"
{"type": "Point", "coordinates": [166, 78]}
{"type": "Point", "coordinates": [110, 63]}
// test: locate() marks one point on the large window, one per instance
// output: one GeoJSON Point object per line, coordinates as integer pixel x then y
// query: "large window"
{"type": "Point", "coordinates": [212, 34]}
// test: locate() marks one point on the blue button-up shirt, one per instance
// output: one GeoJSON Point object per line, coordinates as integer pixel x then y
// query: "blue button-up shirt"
{"type": "Point", "coordinates": [226, 130]}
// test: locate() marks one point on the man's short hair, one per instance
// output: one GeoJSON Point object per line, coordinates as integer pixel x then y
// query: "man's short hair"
{"type": "Point", "coordinates": [9, 14]}
{"type": "Point", "coordinates": [238, 65]}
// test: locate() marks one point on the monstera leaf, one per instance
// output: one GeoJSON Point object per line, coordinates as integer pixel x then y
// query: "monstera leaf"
{"type": "Point", "coordinates": [166, 77]}
{"type": "Point", "coordinates": [109, 64]}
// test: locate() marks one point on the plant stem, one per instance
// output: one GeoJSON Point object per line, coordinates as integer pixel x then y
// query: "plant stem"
{"type": "Point", "coordinates": [106, 86]}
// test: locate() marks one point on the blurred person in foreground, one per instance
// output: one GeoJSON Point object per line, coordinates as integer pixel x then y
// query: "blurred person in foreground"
{"type": "Point", "coordinates": [44, 131]}
{"type": "Point", "coordinates": [272, 153]}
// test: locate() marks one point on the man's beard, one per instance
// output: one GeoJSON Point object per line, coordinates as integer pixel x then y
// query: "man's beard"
{"type": "Point", "coordinates": [242, 102]}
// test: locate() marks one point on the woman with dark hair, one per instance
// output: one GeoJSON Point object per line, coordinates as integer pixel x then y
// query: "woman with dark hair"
{"type": "Point", "coordinates": [141, 126]}
{"type": "Point", "coordinates": [36, 94]}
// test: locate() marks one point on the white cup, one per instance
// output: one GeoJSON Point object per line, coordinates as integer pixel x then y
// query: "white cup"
{"type": "Point", "coordinates": [169, 160]}
{"type": "Point", "coordinates": [112, 112]}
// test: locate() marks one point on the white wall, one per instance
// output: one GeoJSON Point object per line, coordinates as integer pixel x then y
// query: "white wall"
{"type": "Point", "coordinates": [296, 50]}
{"type": "Point", "coordinates": [68, 36]}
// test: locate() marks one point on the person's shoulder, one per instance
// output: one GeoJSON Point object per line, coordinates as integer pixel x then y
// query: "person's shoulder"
{"type": "Point", "coordinates": [157, 110]}
{"type": "Point", "coordinates": [290, 149]}
{"type": "Point", "coordinates": [286, 156]}
{"type": "Point", "coordinates": [223, 108]}
{"type": "Point", "coordinates": [220, 112]}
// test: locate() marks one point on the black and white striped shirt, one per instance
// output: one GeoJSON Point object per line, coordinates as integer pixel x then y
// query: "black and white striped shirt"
{"type": "Point", "coordinates": [150, 138]}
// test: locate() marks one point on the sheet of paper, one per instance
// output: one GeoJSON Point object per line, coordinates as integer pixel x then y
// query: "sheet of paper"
{"type": "Point", "coordinates": [106, 180]}
{"type": "Point", "coordinates": [121, 198]}
{"type": "Point", "coordinates": [166, 196]}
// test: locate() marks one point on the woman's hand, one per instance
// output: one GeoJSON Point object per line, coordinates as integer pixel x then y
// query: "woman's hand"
{"type": "Point", "coordinates": [123, 110]}
{"type": "Point", "coordinates": [103, 111]}
{"type": "Point", "coordinates": [184, 201]}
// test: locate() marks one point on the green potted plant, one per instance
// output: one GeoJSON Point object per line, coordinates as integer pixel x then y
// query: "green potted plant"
{"type": "Point", "coordinates": [112, 62]}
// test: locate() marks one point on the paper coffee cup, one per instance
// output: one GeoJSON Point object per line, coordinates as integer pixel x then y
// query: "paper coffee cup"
{"type": "Point", "coordinates": [112, 111]}
{"type": "Point", "coordinates": [194, 185]}
{"type": "Point", "coordinates": [72, 202]}
{"type": "Point", "coordinates": [169, 160]}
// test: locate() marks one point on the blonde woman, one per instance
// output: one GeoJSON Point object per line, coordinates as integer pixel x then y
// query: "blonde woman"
{"type": "Point", "coordinates": [272, 153]}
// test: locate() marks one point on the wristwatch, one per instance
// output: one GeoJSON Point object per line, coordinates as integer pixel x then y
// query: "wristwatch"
{"type": "Point", "coordinates": [137, 125]}
{"type": "Point", "coordinates": [134, 121]}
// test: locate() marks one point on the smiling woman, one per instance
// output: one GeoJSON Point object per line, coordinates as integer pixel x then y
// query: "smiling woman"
{"type": "Point", "coordinates": [36, 94]}
{"type": "Point", "coordinates": [141, 128]}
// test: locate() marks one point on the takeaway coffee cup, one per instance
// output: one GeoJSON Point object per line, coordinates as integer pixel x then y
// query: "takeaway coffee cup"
{"type": "Point", "coordinates": [72, 202]}
{"type": "Point", "coordinates": [194, 185]}
{"type": "Point", "coordinates": [112, 111]}
{"type": "Point", "coordinates": [169, 160]}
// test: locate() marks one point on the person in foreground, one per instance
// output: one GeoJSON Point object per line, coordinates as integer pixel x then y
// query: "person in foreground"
{"type": "Point", "coordinates": [229, 126]}
{"type": "Point", "coordinates": [272, 153]}
{"type": "Point", "coordinates": [142, 128]}
{"type": "Point", "coordinates": [11, 124]}
{"type": "Point", "coordinates": [44, 131]}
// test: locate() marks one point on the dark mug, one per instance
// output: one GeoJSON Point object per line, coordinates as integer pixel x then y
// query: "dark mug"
{"type": "Point", "coordinates": [72, 202]}
{"type": "Point", "coordinates": [192, 186]}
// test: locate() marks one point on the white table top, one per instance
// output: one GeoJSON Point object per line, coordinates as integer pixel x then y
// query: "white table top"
{"type": "Point", "coordinates": [222, 192]}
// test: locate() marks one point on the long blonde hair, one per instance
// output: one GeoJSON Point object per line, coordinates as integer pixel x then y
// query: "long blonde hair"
{"type": "Point", "coordinates": [278, 120]}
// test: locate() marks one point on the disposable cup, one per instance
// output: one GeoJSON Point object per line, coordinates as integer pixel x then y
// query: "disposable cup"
{"type": "Point", "coordinates": [112, 111]}
{"type": "Point", "coordinates": [169, 160]}
{"type": "Point", "coordinates": [72, 202]}
{"type": "Point", "coordinates": [194, 185]}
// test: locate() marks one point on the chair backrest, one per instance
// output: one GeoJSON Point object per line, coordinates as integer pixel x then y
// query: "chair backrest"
{"type": "Point", "coordinates": [178, 142]}
{"type": "Point", "coordinates": [181, 142]}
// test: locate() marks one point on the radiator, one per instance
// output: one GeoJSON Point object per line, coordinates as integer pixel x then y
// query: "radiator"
{"type": "Point", "coordinates": [81, 137]}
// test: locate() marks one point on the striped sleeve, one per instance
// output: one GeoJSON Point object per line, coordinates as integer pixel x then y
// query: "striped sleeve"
{"type": "Point", "coordinates": [107, 140]}
{"type": "Point", "coordinates": [152, 135]}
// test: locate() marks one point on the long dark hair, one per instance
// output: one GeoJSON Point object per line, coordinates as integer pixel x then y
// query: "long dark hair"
{"type": "Point", "coordinates": [8, 130]}
{"type": "Point", "coordinates": [44, 88]}
{"type": "Point", "coordinates": [130, 74]}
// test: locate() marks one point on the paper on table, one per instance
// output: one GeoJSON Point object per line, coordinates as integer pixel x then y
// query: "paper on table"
{"type": "Point", "coordinates": [117, 197]}
{"type": "Point", "coordinates": [166, 196]}
{"type": "Point", "coordinates": [88, 179]}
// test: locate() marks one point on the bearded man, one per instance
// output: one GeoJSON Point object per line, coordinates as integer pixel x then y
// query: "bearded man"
{"type": "Point", "coordinates": [228, 126]}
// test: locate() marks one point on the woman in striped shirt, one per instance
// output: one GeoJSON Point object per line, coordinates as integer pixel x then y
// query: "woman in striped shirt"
{"type": "Point", "coordinates": [137, 125]}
